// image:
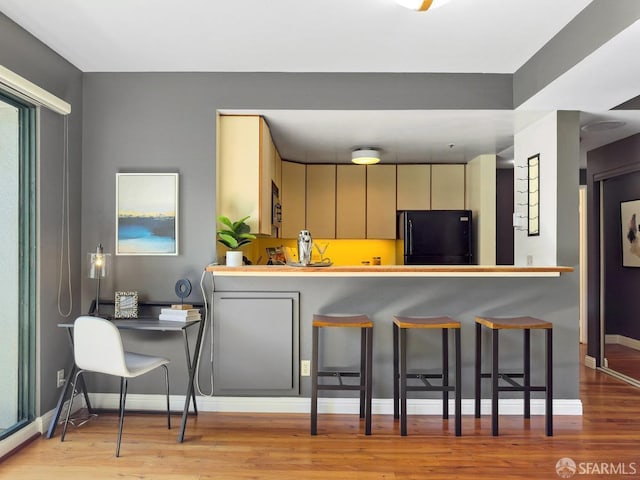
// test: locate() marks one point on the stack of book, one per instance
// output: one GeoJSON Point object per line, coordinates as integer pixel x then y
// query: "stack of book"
{"type": "Point", "coordinates": [180, 313]}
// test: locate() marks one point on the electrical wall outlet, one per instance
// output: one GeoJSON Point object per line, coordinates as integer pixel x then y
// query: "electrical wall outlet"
{"type": "Point", "coordinates": [529, 260]}
{"type": "Point", "coordinates": [305, 368]}
{"type": "Point", "coordinates": [60, 378]}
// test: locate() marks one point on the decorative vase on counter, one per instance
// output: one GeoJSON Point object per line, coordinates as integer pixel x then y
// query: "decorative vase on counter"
{"type": "Point", "coordinates": [234, 258]}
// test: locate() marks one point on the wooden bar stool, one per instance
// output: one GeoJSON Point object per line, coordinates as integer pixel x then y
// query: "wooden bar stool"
{"type": "Point", "coordinates": [401, 374]}
{"type": "Point", "coordinates": [526, 324]}
{"type": "Point", "coordinates": [364, 373]}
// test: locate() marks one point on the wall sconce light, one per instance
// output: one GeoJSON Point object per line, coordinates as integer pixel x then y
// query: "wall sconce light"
{"type": "Point", "coordinates": [98, 269]}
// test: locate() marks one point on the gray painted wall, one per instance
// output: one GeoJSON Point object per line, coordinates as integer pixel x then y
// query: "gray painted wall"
{"type": "Point", "coordinates": [166, 121]}
{"type": "Point", "coordinates": [30, 58]}
{"type": "Point", "coordinates": [589, 30]}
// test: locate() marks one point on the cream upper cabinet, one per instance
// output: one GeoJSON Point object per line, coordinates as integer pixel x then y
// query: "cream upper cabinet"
{"type": "Point", "coordinates": [321, 200]}
{"type": "Point", "coordinates": [351, 201]}
{"type": "Point", "coordinates": [293, 199]}
{"type": "Point", "coordinates": [447, 187]}
{"type": "Point", "coordinates": [245, 169]}
{"type": "Point", "coordinates": [381, 201]}
{"type": "Point", "coordinates": [414, 187]}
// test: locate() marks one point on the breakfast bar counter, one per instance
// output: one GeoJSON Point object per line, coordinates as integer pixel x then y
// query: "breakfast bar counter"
{"type": "Point", "coordinates": [391, 271]}
{"type": "Point", "coordinates": [262, 325]}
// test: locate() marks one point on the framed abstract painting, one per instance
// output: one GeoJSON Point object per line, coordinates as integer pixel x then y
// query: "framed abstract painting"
{"type": "Point", "coordinates": [629, 221]}
{"type": "Point", "coordinates": [147, 214]}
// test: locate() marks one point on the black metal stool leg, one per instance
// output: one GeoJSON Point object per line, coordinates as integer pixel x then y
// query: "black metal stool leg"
{"type": "Point", "coordinates": [314, 381]}
{"type": "Point", "coordinates": [527, 373]}
{"type": "Point", "coordinates": [549, 383]}
{"type": "Point", "coordinates": [445, 373]}
{"type": "Point", "coordinates": [396, 379]}
{"type": "Point", "coordinates": [458, 384]}
{"type": "Point", "coordinates": [494, 384]}
{"type": "Point", "coordinates": [403, 382]}
{"type": "Point", "coordinates": [363, 370]}
{"type": "Point", "coordinates": [478, 369]}
{"type": "Point", "coordinates": [369, 383]}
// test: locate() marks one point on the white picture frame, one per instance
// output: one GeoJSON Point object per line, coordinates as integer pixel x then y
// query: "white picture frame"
{"type": "Point", "coordinates": [147, 213]}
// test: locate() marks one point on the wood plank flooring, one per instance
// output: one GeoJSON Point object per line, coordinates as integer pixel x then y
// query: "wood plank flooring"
{"type": "Point", "coordinates": [278, 446]}
{"type": "Point", "coordinates": [623, 359]}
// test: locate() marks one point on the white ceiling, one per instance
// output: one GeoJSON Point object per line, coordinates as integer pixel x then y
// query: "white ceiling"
{"type": "Point", "coordinates": [293, 35]}
{"type": "Point", "coordinates": [463, 36]}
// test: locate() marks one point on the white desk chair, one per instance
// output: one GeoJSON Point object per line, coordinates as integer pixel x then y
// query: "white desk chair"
{"type": "Point", "coordinates": [97, 347]}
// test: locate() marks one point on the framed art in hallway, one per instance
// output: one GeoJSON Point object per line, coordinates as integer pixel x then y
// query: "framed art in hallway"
{"type": "Point", "coordinates": [147, 214]}
{"type": "Point", "coordinates": [629, 218]}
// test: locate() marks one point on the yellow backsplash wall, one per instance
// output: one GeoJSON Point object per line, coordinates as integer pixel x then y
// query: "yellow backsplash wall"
{"type": "Point", "coordinates": [341, 252]}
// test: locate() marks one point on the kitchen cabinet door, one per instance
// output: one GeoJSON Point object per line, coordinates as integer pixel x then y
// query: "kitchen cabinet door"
{"type": "Point", "coordinates": [293, 199]}
{"type": "Point", "coordinates": [447, 187]}
{"type": "Point", "coordinates": [381, 201]}
{"type": "Point", "coordinates": [321, 201]}
{"type": "Point", "coordinates": [256, 343]}
{"type": "Point", "coordinates": [414, 187]}
{"type": "Point", "coordinates": [351, 201]}
{"type": "Point", "coordinates": [245, 169]}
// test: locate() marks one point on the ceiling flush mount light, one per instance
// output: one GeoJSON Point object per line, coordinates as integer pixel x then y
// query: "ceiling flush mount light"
{"type": "Point", "coordinates": [365, 156]}
{"type": "Point", "coordinates": [421, 5]}
{"type": "Point", "coordinates": [602, 126]}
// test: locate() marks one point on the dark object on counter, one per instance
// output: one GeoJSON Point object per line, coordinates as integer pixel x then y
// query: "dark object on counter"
{"type": "Point", "coordinates": [436, 237]}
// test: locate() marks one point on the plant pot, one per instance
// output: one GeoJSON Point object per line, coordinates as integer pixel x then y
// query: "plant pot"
{"type": "Point", "coordinates": [234, 258]}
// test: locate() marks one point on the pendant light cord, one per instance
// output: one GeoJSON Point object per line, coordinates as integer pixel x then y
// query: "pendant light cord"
{"type": "Point", "coordinates": [65, 243]}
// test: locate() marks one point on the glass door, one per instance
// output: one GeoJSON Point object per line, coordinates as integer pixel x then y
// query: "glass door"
{"type": "Point", "coordinates": [17, 264]}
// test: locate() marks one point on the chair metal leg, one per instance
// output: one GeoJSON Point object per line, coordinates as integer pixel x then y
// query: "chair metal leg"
{"type": "Point", "coordinates": [478, 369]}
{"type": "Point", "coordinates": [314, 381]}
{"type": "Point", "coordinates": [73, 391]}
{"type": "Point", "coordinates": [396, 378]}
{"type": "Point", "coordinates": [166, 379]}
{"type": "Point", "coordinates": [445, 373]}
{"type": "Point", "coordinates": [123, 399]}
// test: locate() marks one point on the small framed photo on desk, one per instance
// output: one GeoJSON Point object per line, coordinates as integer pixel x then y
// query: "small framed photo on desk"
{"type": "Point", "coordinates": [126, 305]}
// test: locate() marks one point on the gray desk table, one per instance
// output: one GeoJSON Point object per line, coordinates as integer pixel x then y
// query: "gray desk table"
{"type": "Point", "coordinates": [150, 324]}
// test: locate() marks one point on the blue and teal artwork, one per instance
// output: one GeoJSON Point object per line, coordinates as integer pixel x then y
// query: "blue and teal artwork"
{"type": "Point", "coordinates": [147, 214]}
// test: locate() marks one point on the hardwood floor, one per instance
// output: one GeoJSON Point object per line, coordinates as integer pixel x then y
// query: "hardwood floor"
{"type": "Point", "coordinates": [278, 446]}
{"type": "Point", "coordinates": [623, 359]}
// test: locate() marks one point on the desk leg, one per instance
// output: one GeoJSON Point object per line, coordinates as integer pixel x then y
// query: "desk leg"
{"type": "Point", "coordinates": [195, 360]}
{"type": "Point", "coordinates": [61, 398]}
{"type": "Point", "coordinates": [193, 366]}
{"type": "Point", "coordinates": [65, 392]}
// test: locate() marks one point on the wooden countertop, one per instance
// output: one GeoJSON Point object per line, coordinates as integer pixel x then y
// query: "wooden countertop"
{"type": "Point", "coordinates": [389, 271]}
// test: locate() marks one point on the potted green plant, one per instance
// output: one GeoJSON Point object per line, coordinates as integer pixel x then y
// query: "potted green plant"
{"type": "Point", "coordinates": [233, 236]}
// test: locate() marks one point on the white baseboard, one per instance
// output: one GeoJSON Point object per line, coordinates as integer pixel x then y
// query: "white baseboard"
{"type": "Point", "coordinates": [382, 406]}
{"type": "Point", "coordinates": [622, 340]}
{"type": "Point", "coordinates": [590, 362]}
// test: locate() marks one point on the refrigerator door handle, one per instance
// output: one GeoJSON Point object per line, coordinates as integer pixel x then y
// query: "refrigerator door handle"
{"type": "Point", "coordinates": [410, 237]}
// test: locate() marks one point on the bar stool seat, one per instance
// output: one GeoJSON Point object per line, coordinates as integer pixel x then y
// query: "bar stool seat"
{"type": "Point", "coordinates": [401, 325]}
{"type": "Point", "coordinates": [364, 323]}
{"type": "Point", "coordinates": [526, 324]}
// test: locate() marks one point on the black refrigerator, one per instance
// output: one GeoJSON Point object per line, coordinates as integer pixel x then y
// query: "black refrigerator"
{"type": "Point", "coordinates": [436, 237]}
